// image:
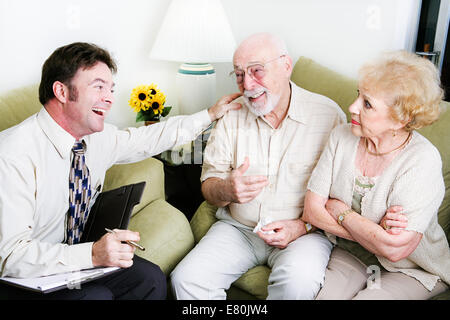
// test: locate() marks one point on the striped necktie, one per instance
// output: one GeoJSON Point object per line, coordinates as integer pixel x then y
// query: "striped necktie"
{"type": "Point", "coordinates": [79, 194]}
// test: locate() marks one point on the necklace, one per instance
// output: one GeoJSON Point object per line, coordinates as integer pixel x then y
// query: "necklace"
{"type": "Point", "coordinates": [366, 145]}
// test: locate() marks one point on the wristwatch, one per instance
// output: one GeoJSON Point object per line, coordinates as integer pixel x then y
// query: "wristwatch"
{"type": "Point", "coordinates": [308, 227]}
{"type": "Point", "coordinates": [341, 217]}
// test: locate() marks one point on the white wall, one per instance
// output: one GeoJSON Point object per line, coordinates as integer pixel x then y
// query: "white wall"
{"type": "Point", "coordinates": [340, 34]}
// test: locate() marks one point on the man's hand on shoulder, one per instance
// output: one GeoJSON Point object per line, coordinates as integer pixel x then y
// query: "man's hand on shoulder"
{"type": "Point", "coordinates": [223, 105]}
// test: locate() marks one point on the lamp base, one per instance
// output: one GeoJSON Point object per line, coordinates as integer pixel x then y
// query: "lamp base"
{"type": "Point", "coordinates": [196, 87]}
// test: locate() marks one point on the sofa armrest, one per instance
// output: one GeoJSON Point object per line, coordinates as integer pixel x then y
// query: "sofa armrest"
{"type": "Point", "coordinates": [165, 233]}
{"type": "Point", "coordinates": [150, 170]}
{"type": "Point", "coordinates": [203, 219]}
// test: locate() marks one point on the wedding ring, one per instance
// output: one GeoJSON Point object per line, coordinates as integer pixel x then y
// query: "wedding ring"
{"type": "Point", "coordinates": [385, 226]}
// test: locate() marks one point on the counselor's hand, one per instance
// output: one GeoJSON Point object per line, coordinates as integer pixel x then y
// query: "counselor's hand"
{"type": "Point", "coordinates": [223, 105]}
{"type": "Point", "coordinates": [109, 251]}
{"type": "Point", "coordinates": [241, 189]}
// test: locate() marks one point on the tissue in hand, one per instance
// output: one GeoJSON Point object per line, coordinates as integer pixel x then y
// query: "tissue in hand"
{"type": "Point", "coordinates": [261, 223]}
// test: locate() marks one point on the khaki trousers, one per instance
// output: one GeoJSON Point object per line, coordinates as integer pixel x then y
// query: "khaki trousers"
{"type": "Point", "coordinates": [229, 249]}
{"type": "Point", "coordinates": [348, 278]}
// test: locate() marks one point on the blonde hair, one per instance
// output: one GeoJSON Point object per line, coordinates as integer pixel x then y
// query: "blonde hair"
{"type": "Point", "coordinates": [409, 84]}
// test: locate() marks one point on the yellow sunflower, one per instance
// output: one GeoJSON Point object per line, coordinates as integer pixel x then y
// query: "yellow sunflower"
{"type": "Point", "coordinates": [140, 99]}
{"type": "Point", "coordinates": [152, 89]}
{"type": "Point", "coordinates": [158, 101]}
{"type": "Point", "coordinates": [148, 103]}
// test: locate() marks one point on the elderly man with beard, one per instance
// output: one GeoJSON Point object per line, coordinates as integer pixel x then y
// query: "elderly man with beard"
{"type": "Point", "coordinates": [256, 166]}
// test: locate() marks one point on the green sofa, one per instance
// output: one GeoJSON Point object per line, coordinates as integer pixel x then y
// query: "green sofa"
{"type": "Point", "coordinates": [316, 78]}
{"type": "Point", "coordinates": [164, 230]}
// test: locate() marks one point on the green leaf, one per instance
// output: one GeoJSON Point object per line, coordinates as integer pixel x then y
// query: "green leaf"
{"type": "Point", "coordinates": [146, 116]}
{"type": "Point", "coordinates": [166, 111]}
{"type": "Point", "coordinates": [139, 117]}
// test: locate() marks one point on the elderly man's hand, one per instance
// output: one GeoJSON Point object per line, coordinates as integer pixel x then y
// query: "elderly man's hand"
{"type": "Point", "coordinates": [241, 189]}
{"type": "Point", "coordinates": [285, 231]}
{"type": "Point", "coordinates": [223, 105]}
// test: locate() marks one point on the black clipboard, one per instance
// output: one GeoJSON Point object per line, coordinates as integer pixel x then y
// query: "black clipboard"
{"type": "Point", "coordinates": [112, 209]}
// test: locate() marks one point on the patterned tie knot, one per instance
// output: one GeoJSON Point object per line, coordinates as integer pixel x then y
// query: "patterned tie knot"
{"type": "Point", "coordinates": [79, 148]}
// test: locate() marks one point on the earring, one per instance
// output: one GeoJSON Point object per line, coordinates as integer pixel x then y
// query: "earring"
{"type": "Point", "coordinates": [394, 133]}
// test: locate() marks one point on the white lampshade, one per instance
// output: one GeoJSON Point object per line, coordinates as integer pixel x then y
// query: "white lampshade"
{"type": "Point", "coordinates": [197, 33]}
{"type": "Point", "coordinates": [194, 31]}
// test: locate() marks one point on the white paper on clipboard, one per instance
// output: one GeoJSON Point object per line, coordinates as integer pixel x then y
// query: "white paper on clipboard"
{"type": "Point", "coordinates": [70, 280]}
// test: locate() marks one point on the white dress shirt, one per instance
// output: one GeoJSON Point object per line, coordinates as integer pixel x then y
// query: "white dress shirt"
{"type": "Point", "coordinates": [35, 159]}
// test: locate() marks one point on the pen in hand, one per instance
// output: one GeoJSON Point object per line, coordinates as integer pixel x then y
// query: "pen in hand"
{"type": "Point", "coordinates": [134, 244]}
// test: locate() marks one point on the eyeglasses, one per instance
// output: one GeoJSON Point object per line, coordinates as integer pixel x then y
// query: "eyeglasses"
{"type": "Point", "coordinates": [256, 71]}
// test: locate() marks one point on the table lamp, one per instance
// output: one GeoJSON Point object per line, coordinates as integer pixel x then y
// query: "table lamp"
{"type": "Point", "coordinates": [197, 33]}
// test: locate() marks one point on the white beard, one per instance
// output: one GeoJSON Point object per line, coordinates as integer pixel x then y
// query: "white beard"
{"type": "Point", "coordinates": [257, 108]}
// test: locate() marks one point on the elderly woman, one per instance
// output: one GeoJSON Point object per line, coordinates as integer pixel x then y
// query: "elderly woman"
{"type": "Point", "coordinates": [378, 185]}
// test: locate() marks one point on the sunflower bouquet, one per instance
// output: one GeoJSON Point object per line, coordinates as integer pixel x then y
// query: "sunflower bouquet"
{"type": "Point", "coordinates": [148, 103]}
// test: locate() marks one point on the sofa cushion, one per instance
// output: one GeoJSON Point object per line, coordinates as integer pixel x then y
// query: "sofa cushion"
{"type": "Point", "coordinates": [17, 105]}
{"type": "Point", "coordinates": [439, 135]}
{"type": "Point", "coordinates": [316, 78]}
{"type": "Point", "coordinates": [149, 170]}
{"type": "Point", "coordinates": [164, 233]}
{"type": "Point", "coordinates": [255, 281]}
{"type": "Point", "coordinates": [203, 219]}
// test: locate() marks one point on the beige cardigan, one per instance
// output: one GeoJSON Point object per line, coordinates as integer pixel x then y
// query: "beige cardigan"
{"type": "Point", "coordinates": [413, 180]}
